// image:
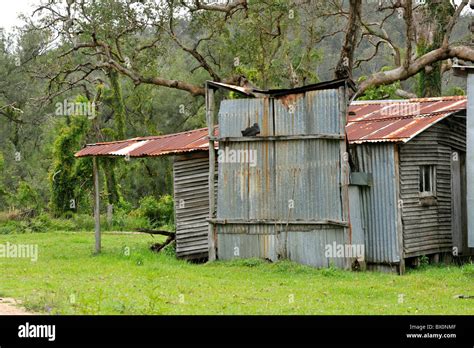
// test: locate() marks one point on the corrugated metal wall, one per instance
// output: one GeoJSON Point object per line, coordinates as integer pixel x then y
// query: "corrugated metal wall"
{"type": "Point", "coordinates": [289, 204]}
{"type": "Point", "coordinates": [379, 202]}
{"type": "Point", "coordinates": [191, 194]}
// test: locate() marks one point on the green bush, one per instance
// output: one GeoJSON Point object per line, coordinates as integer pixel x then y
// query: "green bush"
{"type": "Point", "coordinates": [9, 227]}
{"type": "Point", "coordinates": [158, 212]}
{"type": "Point", "coordinates": [123, 221]}
{"type": "Point", "coordinates": [424, 261]}
{"type": "Point", "coordinates": [83, 222]}
{"type": "Point", "coordinates": [27, 197]}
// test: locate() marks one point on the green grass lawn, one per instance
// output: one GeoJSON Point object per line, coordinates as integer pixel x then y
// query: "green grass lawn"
{"type": "Point", "coordinates": [69, 279]}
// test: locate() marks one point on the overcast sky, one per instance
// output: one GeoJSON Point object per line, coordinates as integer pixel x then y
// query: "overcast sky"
{"type": "Point", "coordinates": [11, 9]}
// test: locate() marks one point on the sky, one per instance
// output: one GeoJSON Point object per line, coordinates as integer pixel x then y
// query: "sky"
{"type": "Point", "coordinates": [11, 9]}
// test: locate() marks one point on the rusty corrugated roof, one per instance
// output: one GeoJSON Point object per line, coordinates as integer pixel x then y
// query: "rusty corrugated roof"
{"type": "Point", "coordinates": [368, 121]}
{"type": "Point", "coordinates": [183, 142]}
{"type": "Point", "coordinates": [398, 120]}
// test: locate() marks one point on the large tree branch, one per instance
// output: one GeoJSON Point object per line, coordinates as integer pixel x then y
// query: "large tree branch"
{"type": "Point", "coordinates": [227, 8]}
{"type": "Point", "coordinates": [402, 73]}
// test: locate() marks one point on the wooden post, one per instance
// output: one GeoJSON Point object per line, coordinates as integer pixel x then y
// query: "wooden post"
{"type": "Point", "coordinates": [96, 205]}
{"type": "Point", "coordinates": [400, 239]}
{"type": "Point", "coordinates": [212, 170]}
{"type": "Point", "coordinates": [345, 168]}
{"type": "Point", "coordinates": [110, 214]}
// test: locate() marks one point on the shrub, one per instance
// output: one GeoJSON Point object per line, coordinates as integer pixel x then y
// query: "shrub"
{"type": "Point", "coordinates": [424, 261]}
{"type": "Point", "coordinates": [83, 222]}
{"type": "Point", "coordinates": [158, 212]}
{"type": "Point", "coordinates": [27, 198]}
{"type": "Point", "coordinates": [123, 221]}
{"type": "Point", "coordinates": [9, 227]}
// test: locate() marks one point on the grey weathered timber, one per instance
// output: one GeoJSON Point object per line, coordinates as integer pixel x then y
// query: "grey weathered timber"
{"type": "Point", "coordinates": [401, 249]}
{"type": "Point", "coordinates": [470, 155]}
{"type": "Point", "coordinates": [95, 169]}
{"type": "Point", "coordinates": [428, 229]}
{"type": "Point", "coordinates": [191, 196]}
{"type": "Point", "coordinates": [456, 206]}
{"type": "Point", "coordinates": [212, 169]}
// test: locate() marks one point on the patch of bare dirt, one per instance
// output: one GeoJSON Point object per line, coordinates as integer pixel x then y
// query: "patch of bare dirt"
{"type": "Point", "coordinates": [10, 306]}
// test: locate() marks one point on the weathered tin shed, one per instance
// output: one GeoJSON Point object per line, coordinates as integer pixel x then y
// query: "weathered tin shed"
{"type": "Point", "coordinates": [190, 173]}
{"type": "Point", "coordinates": [293, 200]}
{"type": "Point", "coordinates": [414, 154]}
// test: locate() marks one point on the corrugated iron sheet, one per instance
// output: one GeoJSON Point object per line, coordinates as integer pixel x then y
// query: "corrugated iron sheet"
{"type": "Point", "coordinates": [398, 120]}
{"type": "Point", "coordinates": [195, 140]}
{"type": "Point", "coordinates": [294, 182]}
{"type": "Point", "coordinates": [379, 203]}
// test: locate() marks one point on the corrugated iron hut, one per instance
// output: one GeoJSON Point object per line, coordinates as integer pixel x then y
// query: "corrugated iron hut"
{"type": "Point", "coordinates": [412, 155]}
{"type": "Point", "coordinates": [191, 171]}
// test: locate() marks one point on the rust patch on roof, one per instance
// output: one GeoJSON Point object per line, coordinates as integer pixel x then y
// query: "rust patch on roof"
{"type": "Point", "coordinates": [195, 140]}
{"type": "Point", "coordinates": [398, 120]}
{"type": "Point", "coordinates": [290, 99]}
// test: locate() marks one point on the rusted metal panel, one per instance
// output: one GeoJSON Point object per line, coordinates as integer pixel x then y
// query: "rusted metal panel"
{"type": "Point", "coordinates": [313, 112]}
{"type": "Point", "coordinates": [398, 120]}
{"type": "Point", "coordinates": [262, 187]}
{"type": "Point", "coordinates": [184, 142]}
{"type": "Point", "coordinates": [233, 183]}
{"type": "Point", "coordinates": [379, 202]}
{"type": "Point", "coordinates": [295, 183]}
{"type": "Point", "coordinates": [249, 90]}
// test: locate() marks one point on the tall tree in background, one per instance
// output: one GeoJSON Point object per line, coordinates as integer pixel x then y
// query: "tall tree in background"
{"type": "Point", "coordinates": [432, 21]}
{"type": "Point", "coordinates": [435, 44]}
{"type": "Point", "coordinates": [122, 36]}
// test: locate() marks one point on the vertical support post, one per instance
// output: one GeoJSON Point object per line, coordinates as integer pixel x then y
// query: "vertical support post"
{"type": "Point", "coordinates": [96, 205]}
{"type": "Point", "coordinates": [469, 157]}
{"type": "Point", "coordinates": [400, 239]}
{"type": "Point", "coordinates": [344, 169]}
{"type": "Point", "coordinates": [110, 213]}
{"type": "Point", "coordinates": [212, 170]}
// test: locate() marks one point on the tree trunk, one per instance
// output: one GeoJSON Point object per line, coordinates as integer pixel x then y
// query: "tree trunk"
{"type": "Point", "coordinates": [113, 195]}
{"type": "Point", "coordinates": [432, 20]}
{"type": "Point", "coordinates": [118, 104]}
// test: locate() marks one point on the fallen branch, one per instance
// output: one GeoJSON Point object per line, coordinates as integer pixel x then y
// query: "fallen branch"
{"type": "Point", "coordinates": [163, 233]}
{"type": "Point", "coordinates": [159, 246]}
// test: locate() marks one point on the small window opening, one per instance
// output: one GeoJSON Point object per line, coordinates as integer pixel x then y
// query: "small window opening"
{"type": "Point", "coordinates": [427, 181]}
